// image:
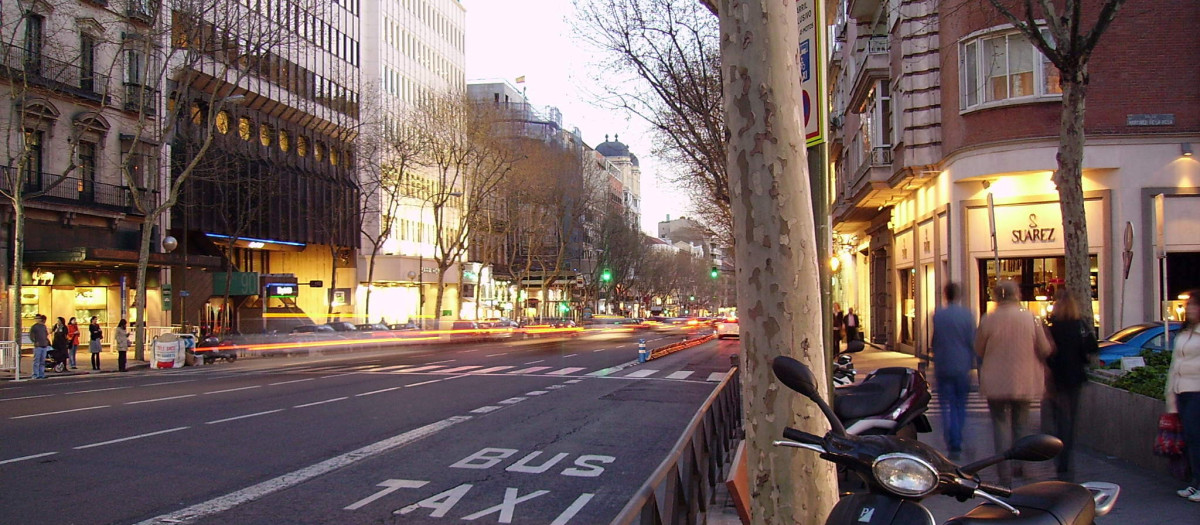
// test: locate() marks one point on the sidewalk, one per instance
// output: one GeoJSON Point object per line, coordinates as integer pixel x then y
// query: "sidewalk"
{"type": "Point", "coordinates": [108, 364]}
{"type": "Point", "coordinates": [1147, 498]}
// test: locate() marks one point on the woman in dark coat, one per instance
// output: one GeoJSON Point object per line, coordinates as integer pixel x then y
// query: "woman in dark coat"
{"type": "Point", "coordinates": [1074, 344]}
{"type": "Point", "coordinates": [61, 344]}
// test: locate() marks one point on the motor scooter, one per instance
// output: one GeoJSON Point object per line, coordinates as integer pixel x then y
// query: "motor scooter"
{"type": "Point", "coordinates": [844, 373]}
{"type": "Point", "coordinates": [901, 472]}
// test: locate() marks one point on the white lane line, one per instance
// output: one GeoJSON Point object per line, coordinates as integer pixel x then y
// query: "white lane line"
{"type": "Point", "coordinates": [599, 350]}
{"type": "Point", "coordinates": [170, 382]}
{"type": "Point", "coordinates": [642, 373]}
{"type": "Point", "coordinates": [716, 376]}
{"type": "Point", "coordinates": [555, 387]}
{"type": "Point", "coordinates": [537, 393]}
{"type": "Point", "coordinates": [292, 381]}
{"type": "Point", "coordinates": [436, 380]}
{"type": "Point", "coordinates": [131, 438]}
{"type": "Point", "coordinates": [373, 392]}
{"type": "Point", "coordinates": [513, 400]}
{"type": "Point", "coordinates": [26, 458]}
{"type": "Point", "coordinates": [604, 371]}
{"type": "Point", "coordinates": [233, 389]}
{"type": "Point", "coordinates": [682, 374]}
{"type": "Point", "coordinates": [291, 479]}
{"type": "Point", "coordinates": [564, 371]}
{"type": "Point", "coordinates": [491, 370]}
{"type": "Point", "coordinates": [26, 397]}
{"type": "Point", "coordinates": [95, 390]}
{"type": "Point", "coordinates": [574, 509]}
{"type": "Point", "coordinates": [469, 351]}
{"type": "Point", "coordinates": [573, 381]}
{"type": "Point", "coordinates": [569, 355]}
{"type": "Point", "coordinates": [535, 362]}
{"type": "Point", "coordinates": [321, 402]}
{"type": "Point", "coordinates": [423, 368]}
{"type": "Point", "coordinates": [458, 369]}
{"type": "Point", "coordinates": [530, 370]}
{"type": "Point", "coordinates": [442, 361]}
{"type": "Point", "coordinates": [494, 355]}
{"type": "Point", "coordinates": [235, 418]}
{"type": "Point", "coordinates": [486, 409]}
{"type": "Point", "coordinates": [60, 412]}
{"type": "Point", "coordinates": [160, 399]}
{"type": "Point", "coordinates": [338, 375]}
{"type": "Point", "coordinates": [390, 368]}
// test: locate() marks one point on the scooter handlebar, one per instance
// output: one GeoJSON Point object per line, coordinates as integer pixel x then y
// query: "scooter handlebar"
{"type": "Point", "coordinates": [802, 437]}
{"type": "Point", "coordinates": [995, 490]}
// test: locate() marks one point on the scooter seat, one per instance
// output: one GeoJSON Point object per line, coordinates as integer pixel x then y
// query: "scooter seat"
{"type": "Point", "coordinates": [875, 395]}
{"type": "Point", "coordinates": [1045, 503]}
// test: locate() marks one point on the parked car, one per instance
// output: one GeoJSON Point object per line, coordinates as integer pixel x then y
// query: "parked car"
{"type": "Point", "coordinates": [312, 329]}
{"type": "Point", "coordinates": [372, 327]}
{"type": "Point", "coordinates": [1132, 340]}
{"type": "Point", "coordinates": [342, 326]}
{"type": "Point", "coordinates": [404, 326]}
{"type": "Point", "coordinates": [728, 328]}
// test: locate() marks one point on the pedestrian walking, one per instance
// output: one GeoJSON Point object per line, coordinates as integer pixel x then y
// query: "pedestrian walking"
{"type": "Point", "coordinates": [96, 335]}
{"type": "Point", "coordinates": [60, 344]}
{"type": "Point", "coordinates": [122, 339]}
{"type": "Point", "coordinates": [1183, 389]}
{"type": "Point", "coordinates": [839, 318]}
{"type": "Point", "coordinates": [953, 356]}
{"type": "Point", "coordinates": [1013, 346]}
{"type": "Point", "coordinates": [72, 340]}
{"type": "Point", "coordinates": [40, 336]}
{"type": "Point", "coordinates": [1074, 345]}
{"type": "Point", "coordinates": [850, 323]}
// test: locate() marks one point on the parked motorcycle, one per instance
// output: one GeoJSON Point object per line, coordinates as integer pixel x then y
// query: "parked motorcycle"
{"type": "Point", "coordinates": [900, 472]}
{"type": "Point", "coordinates": [844, 373]}
{"type": "Point", "coordinates": [890, 400]}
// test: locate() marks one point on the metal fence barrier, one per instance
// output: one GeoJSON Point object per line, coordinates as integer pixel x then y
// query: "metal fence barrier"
{"type": "Point", "coordinates": [8, 355]}
{"type": "Point", "coordinates": [682, 488]}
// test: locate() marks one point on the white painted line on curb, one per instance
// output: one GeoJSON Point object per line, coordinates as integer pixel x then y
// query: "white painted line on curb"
{"type": "Point", "coordinates": [60, 412]}
{"type": "Point", "coordinates": [130, 438]}
{"type": "Point", "coordinates": [235, 418]}
{"type": "Point", "coordinates": [26, 458]}
{"type": "Point", "coordinates": [291, 479]}
{"type": "Point", "coordinates": [160, 399]}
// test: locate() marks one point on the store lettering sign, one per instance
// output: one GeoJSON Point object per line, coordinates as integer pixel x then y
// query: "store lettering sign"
{"type": "Point", "coordinates": [1033, 233]}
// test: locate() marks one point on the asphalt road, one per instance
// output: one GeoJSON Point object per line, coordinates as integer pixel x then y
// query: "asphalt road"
{"type": "Point", "coordinates": [516, 432]}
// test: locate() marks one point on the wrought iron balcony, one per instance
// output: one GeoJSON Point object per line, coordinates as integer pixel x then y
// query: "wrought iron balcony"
{"type": "Point", "coordinates": [142, 99]}
{"type": "Point", "coordinates": [37, 69]}
{"type": "Point", "coordinates": [73, 190]}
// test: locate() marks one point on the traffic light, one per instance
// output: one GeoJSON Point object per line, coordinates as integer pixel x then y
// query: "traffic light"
{"type": "Point", "coordinates": [691, 298]}
{"type": "Point", "coordinates": [562, 307]}
{"type": "Point", "coordinates": [714, 272]}
{"type": "Point", "coordinates": [606, 276]}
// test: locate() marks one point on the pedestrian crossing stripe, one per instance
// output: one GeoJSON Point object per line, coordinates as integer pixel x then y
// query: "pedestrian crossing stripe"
{"type": "Point", "coordinates": [646, 372]}
{"type": "Point", "coordinates": [565, 371]}
{"type": "Point", "coordinates": [682, 374]}
{"type": "Point", "coordinates": [491, 370]}
{"type": "Point", "coordinates": [530, 370]}
{"type": "Point", "coordinates": [623, 371]}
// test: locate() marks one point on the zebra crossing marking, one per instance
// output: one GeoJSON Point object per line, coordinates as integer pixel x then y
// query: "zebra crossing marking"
{"type": "Point", "coordinates": [491, 370]}
{"type": "Point", "coordinates": [715, 377]}
{"type": "Point", "coordinates": [565, 371]}
{"type": "Point", "coordinates": [458, 369]}
{"type": "Point", "coordinates": [682, 374]}
{"type": "Point", "coordinates": [530, 370]}
{"type": "Point", "coordinates": [642, 373]}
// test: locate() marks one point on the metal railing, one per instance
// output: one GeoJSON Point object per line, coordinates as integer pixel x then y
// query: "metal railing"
{"type": "Point", "coordinates": [41, 69]}
{"type": "Point", "coordinates": [72, 190]}
{"type": "Point", "coordinates": [8, 355]}
{"type": "Point", "coordinates": [141, 98]}
{"type": "Point", "coordinates": [683, 486]}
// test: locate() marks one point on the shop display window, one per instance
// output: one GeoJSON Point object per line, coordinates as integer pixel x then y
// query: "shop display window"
{"type": "Point", "coordinates": [1039, 278]}
{"type": "Point", "coordinates": [32, 299]}
{"type": "Point", "coordinates": [91, 301]}
{"type": "Point", "coordinates": [908, 305]}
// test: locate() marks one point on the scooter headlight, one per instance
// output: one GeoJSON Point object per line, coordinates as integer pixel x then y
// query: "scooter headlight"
{"type": "Point", "coordinates": [905, 475]}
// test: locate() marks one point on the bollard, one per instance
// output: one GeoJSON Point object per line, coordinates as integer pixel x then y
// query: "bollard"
{"type": "Point", "coordinates": [643, 355]}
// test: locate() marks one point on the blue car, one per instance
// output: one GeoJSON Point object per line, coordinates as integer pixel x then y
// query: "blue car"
{"type": "Point", "coordinates": [1132, 340]}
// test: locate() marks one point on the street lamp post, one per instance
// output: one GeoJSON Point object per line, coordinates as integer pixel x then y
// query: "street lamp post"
{"type": "Point", "coordinates": [421, 258]}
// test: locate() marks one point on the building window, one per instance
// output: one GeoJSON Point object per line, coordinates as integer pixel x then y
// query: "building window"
{"type": "Point", "coordinates": [86, 156]}
{"type": "Point", "coordinates": [34, 36]}
{"type": "Point", "coordinates": [1005, 68]}
{"type": "Point", "coordinates": [33, 160]}
{"type": "Point", "coordinates": [87, 62]}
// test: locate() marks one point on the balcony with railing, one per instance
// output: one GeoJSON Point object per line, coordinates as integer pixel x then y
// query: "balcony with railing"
{"type": "Point", "coordinates": [38, 69]}
{"type": "Point", "coordinates": [871, 57]}
{"type": "Point", "coordinates": [141, 99]}
{"type": "Point", "coordinates": [53, 188]}
{"type": "Point", "coordinates": [867, 188]}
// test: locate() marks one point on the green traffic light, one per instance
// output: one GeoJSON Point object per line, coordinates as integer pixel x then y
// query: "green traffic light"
{"type": "Point", "coordinates": [714, 273]}
{"type": "Point", "coordinates": [606, 276]}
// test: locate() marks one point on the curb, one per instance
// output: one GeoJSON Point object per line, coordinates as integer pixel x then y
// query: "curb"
{"type": "Point", "coordinates": [682, 345]}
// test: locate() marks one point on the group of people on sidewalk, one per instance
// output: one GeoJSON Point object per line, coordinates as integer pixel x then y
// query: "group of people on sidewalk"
{"type": "Point", "coordinates": [1022, 360]}
{"type": "Point", "coordinates": [62, 342]}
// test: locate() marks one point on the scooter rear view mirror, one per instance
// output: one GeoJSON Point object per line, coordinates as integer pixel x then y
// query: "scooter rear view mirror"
{"type": "Point", "coordinates": [1038, 447]}
{"type": "Point", "coordinates": [795, 376]}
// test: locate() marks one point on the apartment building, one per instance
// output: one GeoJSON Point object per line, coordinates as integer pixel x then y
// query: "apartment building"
{"type": "Point", "coordinates": [937, 111]}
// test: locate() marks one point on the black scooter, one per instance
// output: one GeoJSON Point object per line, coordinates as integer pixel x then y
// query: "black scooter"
{"type": "Point", "coordinates": [900, 472]}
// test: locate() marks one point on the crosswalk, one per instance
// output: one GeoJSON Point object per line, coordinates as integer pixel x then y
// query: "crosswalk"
{"type": "Point", "coordinates": [635, 372]}
{"type": "Point", "coordinates": [976, 404]}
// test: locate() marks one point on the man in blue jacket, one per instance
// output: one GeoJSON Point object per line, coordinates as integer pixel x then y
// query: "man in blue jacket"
{"type": "Point", "coordinates": [41, 346]}
{"type": "Point", "coordinates": [953, 337]}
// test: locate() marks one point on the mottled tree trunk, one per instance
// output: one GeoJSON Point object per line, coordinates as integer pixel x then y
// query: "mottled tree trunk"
{"type": "Point", "coordinates": [779, 301]}
{"type": "Point", "coordinates": [1069, 179]}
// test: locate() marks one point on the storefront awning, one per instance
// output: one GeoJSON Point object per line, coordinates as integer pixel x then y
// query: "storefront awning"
{"type": "Point", "coordinates": [109, 258]}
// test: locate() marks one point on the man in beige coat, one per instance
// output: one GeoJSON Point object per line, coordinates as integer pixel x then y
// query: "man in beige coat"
{"type": "Point", "coordinates": [1014, 348]}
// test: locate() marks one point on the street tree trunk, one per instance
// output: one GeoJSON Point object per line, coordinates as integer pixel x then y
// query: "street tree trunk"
{"type": "Point", "coordinates": [779, 300]}
{"type": "Point", "coordinates": [1069, 180]}
{"type": "Point", "coordinates": [18, 248]}
{"type": "Point", "coordinates": [139, 338]}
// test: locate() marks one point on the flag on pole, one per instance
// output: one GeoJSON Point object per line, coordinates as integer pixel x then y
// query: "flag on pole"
{"type": "Point", "coordinates": [521, 79]}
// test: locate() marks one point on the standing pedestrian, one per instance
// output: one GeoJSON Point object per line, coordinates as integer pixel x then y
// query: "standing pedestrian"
{"type": "Point", "coordinates": [1074, 344]}
{"type": "Point", "coordinates": [850, 322]}
{"type": "Point", "coordinates": [122, 340]}
{"type": "Point", "coordinates": [951, 343]}
{"type": "Point", "coordinates": [839, 318]}
{"type": "Point", "coordinates": [1183, 389]}
{"type": "Point", "coordinates": [96, 335]}
{"type": "Point", "coordinates": [1013, 346]}
{"type": "Point", "coordinates": [60, 343]}
{"type": "Point", "coordinates": [72, 340]}
{"type": "Point", "coordinates": [41, 346]}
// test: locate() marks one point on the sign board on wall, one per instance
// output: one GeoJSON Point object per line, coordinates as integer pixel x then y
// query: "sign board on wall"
{"type": "Point", "coordinates": [904, 249]}
{"type": "Point", "coordinates": [1030, 228]}
{"type": "Point", "coordinates": [812, 54]}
